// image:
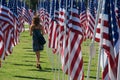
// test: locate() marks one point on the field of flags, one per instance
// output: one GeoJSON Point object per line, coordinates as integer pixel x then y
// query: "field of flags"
{"type": "Point", "coordinates": [13, 14]}
{"type": "Point", "coordinates": [68, 23]}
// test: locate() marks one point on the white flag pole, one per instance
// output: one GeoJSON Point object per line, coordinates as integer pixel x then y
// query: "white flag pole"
{"type": "Point", "coordinates": [118, 69]}
{"type": "Point", "coordinates": [92, 49]}
{"type": "Point", "coordinates": [59, 37]}
{"type": "Point", "coordinates": [101, 40]}
{"type": "Point", "coordinates": [54, 61]}
{"type": "Point", "coordinates": [118, 72]}
{"type": "Point", "coordinates": [58, 56]}
{"type": "Point", "coordinates": [69, 46]}
{"type": "Point", "coordinates": [65, 35]}
{"type": "Point", "coordinates": [50, 56]}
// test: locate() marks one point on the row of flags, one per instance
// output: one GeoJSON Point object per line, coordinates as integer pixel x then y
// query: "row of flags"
{"type": "Point", "coordinates": [69, 23]}
{"type": "Point", "coordinates": [13, 14]}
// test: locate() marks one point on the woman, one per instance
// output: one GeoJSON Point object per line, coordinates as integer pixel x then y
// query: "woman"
{"type": "Point", "coordinates": [36, 30]}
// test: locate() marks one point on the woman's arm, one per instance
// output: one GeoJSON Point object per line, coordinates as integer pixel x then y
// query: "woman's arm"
{"type": "Point", "coordinates": [42, 29]}
{"type": "Point", "coordinates": [31, 30]}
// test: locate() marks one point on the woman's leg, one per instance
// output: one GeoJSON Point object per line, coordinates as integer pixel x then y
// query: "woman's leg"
{"type": "Point", "coordinates": [38, 60]}
{"type": "Point", "coordinates": [37, 57]}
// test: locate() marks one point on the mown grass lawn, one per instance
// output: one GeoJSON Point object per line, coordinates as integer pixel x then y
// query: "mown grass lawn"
{"type": "Point", "coordinates": [20, 65]}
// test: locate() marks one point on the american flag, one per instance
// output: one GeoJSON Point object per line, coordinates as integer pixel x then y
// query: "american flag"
{"type": "Point", "coordinates": [16, 22]}
{"type": "Point", "coordinates": [42, 11]}
{"type": "Point", "coordinates": [61, 21]}
{"type": "Point", "coordinates": [13, 9]}
{"type": "Point", "coordinates": [83, 17]}
{"type": "Point", "coordinates": [2, 46]}
{"type": "Point", "coordinates": [61, 30]}
{"type": "Point", "coordinates": [64, 54]}
{"type": "Point", "coordinates": [56, 48]}
{"type": "Point", "coordinates": [56, 10]}
{"type": "Point", "coordinates": [51, 26]}
{"type": "Point", "coordinates": [74, 60]}
{"type": "Point", "coordinates": [20, 17]}
{"type": "Point", "coordinates": [118, 21]}
{"type": "Point", "coordinates": [118, 11]}
{"type": "Point", "coordinates": [7, 21]}
{"type": "Point", "coordinates": [108, 34]}
{"type": "Point", "coordinates": [52, 9]}
{"type": "Point", "coordinates": [46, 21]}
{"type": "Point", "coordinates": [91, 16]}
{"type": "Point", "coordinates": [31, 13]}
{"type": "Point", "coordinates": [26, 14]}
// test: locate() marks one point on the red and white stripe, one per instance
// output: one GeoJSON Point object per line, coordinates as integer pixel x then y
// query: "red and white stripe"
{"type": "Point", "coordinates": [52, 35]}
{"type": "Point", "coordinates": [90, 25]}
{"type": "Point", "coordinates": [72, 57]}
{"type": "Point", "coordinates": [2, 46]}
{"type": "Point", "coordinates": [7, 22]}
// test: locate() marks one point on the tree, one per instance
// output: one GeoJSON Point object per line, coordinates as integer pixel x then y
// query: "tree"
{"type": "Point", "coordinates": [32, 4]}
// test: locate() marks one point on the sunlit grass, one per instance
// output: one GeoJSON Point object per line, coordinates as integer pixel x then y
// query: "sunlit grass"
{"type": "Point", "coordinates": [20, 65]}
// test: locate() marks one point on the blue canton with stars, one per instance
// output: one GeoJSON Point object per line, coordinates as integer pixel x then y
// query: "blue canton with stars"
{"type": "Point", "coordinates": [113, 31]}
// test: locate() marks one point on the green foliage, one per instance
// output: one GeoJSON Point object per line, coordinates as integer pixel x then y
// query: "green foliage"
{"type": "Point", "coordinates": [20, 65]}
{"type": "Point", "coordinates": [32, 4]}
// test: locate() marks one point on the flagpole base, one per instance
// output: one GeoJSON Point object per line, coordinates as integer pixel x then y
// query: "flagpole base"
{"type": "Point", "coordinates": [0, 63]}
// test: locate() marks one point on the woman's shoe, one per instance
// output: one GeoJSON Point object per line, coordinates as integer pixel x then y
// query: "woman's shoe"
{"type": "Point", "coordinates": [39, 66]}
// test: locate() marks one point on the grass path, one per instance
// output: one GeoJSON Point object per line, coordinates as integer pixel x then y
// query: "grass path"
{"type": "Point", "coordinates": [20, 65]}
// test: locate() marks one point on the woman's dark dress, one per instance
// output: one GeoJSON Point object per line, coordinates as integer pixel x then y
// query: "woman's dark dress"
{"type": "Point", "coordinates": [36, 45]}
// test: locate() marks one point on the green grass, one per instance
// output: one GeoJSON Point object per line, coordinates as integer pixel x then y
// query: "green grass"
{"type": "Point", "coordinates": [20, 65]}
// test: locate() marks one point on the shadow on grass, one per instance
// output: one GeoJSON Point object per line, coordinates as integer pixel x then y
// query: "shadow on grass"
{"type": "Point", "coordinates": [28, 77]}
{"type": "Point", "coordinates": [44, 70]}
{"type": "Point", "coordinates": [27, 48]}
{"type": "Point", "coordinates": [27, 56]}
{"type": "Point", "coordinates": [28, 61]}
{"type": "Point", "coordinates": [85, 61]}
{"type": "Point", "coordinates": [93, 77]}
{"type": "Point", "coordinates": [23, 64]}
{"type": "Point", "coordinates": [33, 61]}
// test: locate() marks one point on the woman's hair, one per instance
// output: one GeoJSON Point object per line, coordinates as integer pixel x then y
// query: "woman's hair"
{"type": "Point", "coordinates": [36, 20]}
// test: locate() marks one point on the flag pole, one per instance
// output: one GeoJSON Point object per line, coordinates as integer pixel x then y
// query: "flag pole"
{"type": "Point", "coordinates": [65, 30]}
{"type": "Point", "coordinates": [63, 76]}
{"type": "Point", "coordinates": [53, 61]}
{"type": "Point", "coordinates": [118, 72]}
{"type": "Point", "coordinates": [0, 63]}
{"type": "Point", "coordinates": [69, 46]}
{"type": "Point", "coordinates": [101, 40]}
{"type": "Point", "coordinates": [92, 48]}
{"type": "Point", "coordinates": [58, 56]}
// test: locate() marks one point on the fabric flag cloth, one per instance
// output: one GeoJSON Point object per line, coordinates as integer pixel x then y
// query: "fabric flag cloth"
{"type": "Point", "coordinates": [46, 21]}
{"type": "Point", "coordinates": [26, 15]}
{"type": "Point", "coordinates": [52, 26]}
{"type": "Point", "coordinates": [73, 64]}
{"type": "Point", "coordinates": [7, 22]}
{"type": "Point", "coordinates": [83, 17]}
{"type": "Point", "coordinates": [2, 46]}
{"type": "Point", "coordinates": [65, 51]}
{"type": "Point", "coordinates": [20, 17]}
{"type": "Point", "coordinates": [118, 11]}
{"type": "Point", "coordinates": [108, 36]}
{"type": "Point", "coordinates": [118, 21]}
{"type": "Point", "coordinates": [91, 16]}
{"type": "Point", "coordinates": [57, 34]}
